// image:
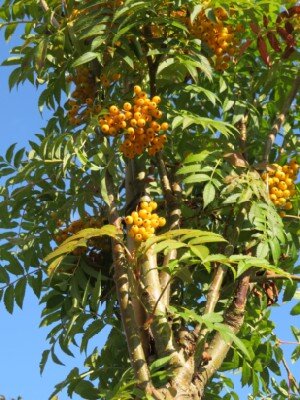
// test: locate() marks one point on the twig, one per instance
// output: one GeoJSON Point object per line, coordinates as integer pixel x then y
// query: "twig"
{"type": "Point", "coordinates": [279, 341]}
{"type": "Point", "coordinates": [280, 119]}
{"type": "Point", "coordinates": [46, 8]}
{"type": "Point", "coordinates": [291, 378]}
{"type": "Point", "coordinates": [263, 278]}
{"type": "Point", "coordinates": [219, 347]}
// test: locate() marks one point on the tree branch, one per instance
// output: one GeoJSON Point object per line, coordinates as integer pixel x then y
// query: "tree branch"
{"type": "Point", "coordinates": [132, 184]}
{"type": "Point", "coordinates": [135, 348]}
{"type": "Point", "coordinates": [46, 8]}
{"type": "Point", "coordinates": [171, 195]}
{"type": "Point", "coordinates": [280, 119]}
{"type": "Point", "coordinates": [219, 347]}
{"type": "Point", "coordinates": [264, 278]}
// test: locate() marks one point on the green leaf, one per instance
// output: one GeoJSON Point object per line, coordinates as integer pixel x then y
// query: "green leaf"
{"type": "Point", "coordinates": [209, 194]}
{"type": "Point", "coordinates": [4, 277]}
{"type": "Point", "coordinates": [85, 58]}
{"type": "Point", "coordinates": [86, 390]}
{"type": "Point", "coordinates": [295, 310]}
{"type": "Point", "coordinates": [9, 299]}
{"type": "Point", "coordinates": [44, 359]}
{"type": "Point", "coordinates": [20, 289]}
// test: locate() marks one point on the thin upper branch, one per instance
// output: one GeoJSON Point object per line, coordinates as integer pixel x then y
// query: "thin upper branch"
{"type": "Point", "coordinates": [281, 118]}
{"type": "Point", "coordinates": [275, 277]}
{"type": "Point", "coordinates": [219, 347]}
{"type": "Point", "coordinates": [46, 8]}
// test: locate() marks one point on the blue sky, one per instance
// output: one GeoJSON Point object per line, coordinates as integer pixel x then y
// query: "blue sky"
{"type": "Point", "coordinates": [21, 339]}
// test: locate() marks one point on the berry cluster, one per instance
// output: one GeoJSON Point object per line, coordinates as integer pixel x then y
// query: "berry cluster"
{"type": "Point", "coordinates": [138, 122]}
{"type": "Point", "coordinates": [143, 223]}
{"type": "Point", "coordinates": [76, 226]}
{"type": "Point", "coordinates": [219, 36]}
{"type": "Point", "coordinates": [280, 181]}
{"type": "Point", "coordinates": [106, 80]}
{"type": "Point", "coordinates": [82, 104]}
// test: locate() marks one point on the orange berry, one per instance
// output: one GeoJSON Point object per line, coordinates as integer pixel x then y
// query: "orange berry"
{"type": "Point", "coordinates": [286, 193]}
{"type": "Point", "coordinates": [137, 115]}
{"type": "Point", "coordinates": [274, 190]}
{"type": "Point", "coordinates": [141, 122]}
{"type": "Point", "coordinates": [112, 131]}
{"type": "Point", "coordinates": [135, 214]}
{"type": "Point", "coordinates": [113, 110]}
{"type": "Point", "coordinates": [152, 105]}
{"type": "Point", "coordinates": [105, 128]}
{"type": "Point", "coordinates": [156, 99]}
{"type": "Point", "coordinates": [133, 122]}
{"type": "Point", "coordinates": [137, 89]}
{"type": "Point", "coordinates": [273, 197]}
{"type": "Point", "coordinates": [164, 126]}
{"type": "Point", "coordinates": [282, 185]}
{"type": "Point", "coordinates": [288, 205]}
{"type": "Point", "coordinates": [142, 95]}
{"type": "Point", "coordinates": [140, 102]}
{"type": "Point", "coordinates": [138, 237]}
{"type": "Point", "coordinates": [282, 214]}
{"type": "Point", "coordinates": [128, 115]}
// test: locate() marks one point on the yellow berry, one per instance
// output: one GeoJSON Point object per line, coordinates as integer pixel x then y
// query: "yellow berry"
{"type": "Point", "coordinates": [129, 220]}
{"type": "Point", "coordinates": [147, 223]}
{"type": "Point", "coordinates": [282, 201]}
{"type": "Point", "coordinates": [286, 193]}
{"type": "Point", "coordinates": [135, 229]}
{"type": "Point", "coordinates": [162, 221]}
{"type": "Point", "coordinates": [274, 190]}
{"type": "Point", "coordinates": [273, 197]}
{"type": "Point", "coordinates": [143, 205]}
{"type": "Point", "coordinates": [143, 214]}
{"type": "Point", "coordinates": [282, 185]}
{"type": "Point", "coordinates": [164, 126]}
{"type": "Point", "coordinates": [280, 175]}
{"type": "Point", "coordinates": [155, 223]}
{"type": "Point", "coordinates": [145, 235]}
{"type": "Point", "coordinates": [138, 221]}
{"type": "Point", "coordinates": [150, 229]}
{"type": "Point", "coordinates": [153, 205]}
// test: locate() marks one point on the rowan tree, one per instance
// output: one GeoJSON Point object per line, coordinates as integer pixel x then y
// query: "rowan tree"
{"type": "Point", "coordinates": [161, 197]}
